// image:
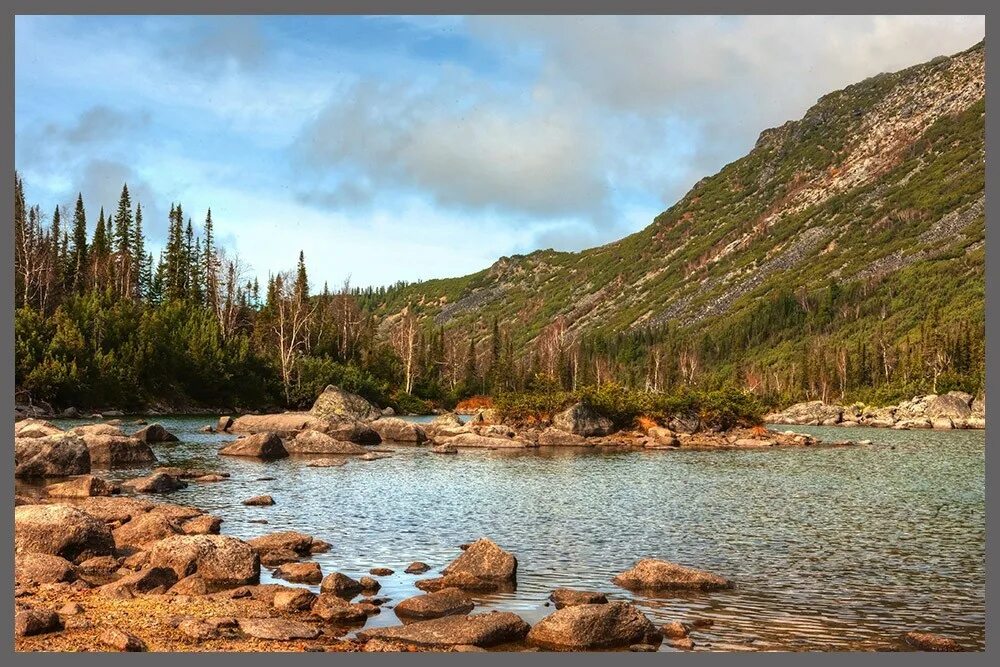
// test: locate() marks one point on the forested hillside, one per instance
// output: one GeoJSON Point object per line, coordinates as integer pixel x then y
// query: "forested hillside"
{"type": "Point", "coordinates": [842, 258]}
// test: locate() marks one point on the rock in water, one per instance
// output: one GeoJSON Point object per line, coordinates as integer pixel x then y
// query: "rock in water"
{"type": "Point", "coordinates": [84, 486]}
{"type": "Point", "coordinates": [265, 446]}
{"type": "Point", "coordinates": [35, 428]}
{"type": "Point", "coordinates": [953, 405]}
{"type": "Point", "coordinates": [565, 597]}
{"type": "Point", "coordinates": [61, 530]}
{"type": "Point", "coordinates": [293, 599]}
{"type": "Point", "coordinates": [259, 501]}
{"type": "Point", "coordinates": [334, 609]}
{"type": "Point", "coordinates": [582, 420]}
{"type": "Point", "coordinates": [341, 585]}
{"type": "Point", "coordinates": [159, 482]}
{"type": "Point", "coordinates": [289, 540]}
{"type": "Point", "coordinates": [58, 455]}
{"type": "Point", "coordinates": [116, 451]}
{"type": "Point", "coordinates": [306, 573]}
{"type": "Point", "coordinates": [315, 442]}
{"type": "Point", "coordinates": [445, 602]}
{"type": "Point", "coordinates": [393, 429]}
{"type": "Point", "coordinates": [145, 530]}
{"type": "Point", "coordinates": [224, 424]}
{"type": "Point", "coordinates": [334, 402]}
{"type": "Point", "coordinates": [485, 562]}
{"type": "Point", "coordinates": [653, 575]}
{"type": "Point", "coordinates": [221, 561]}
{"type": "Point", "coordinates": [928, 641]}
{"type": "Point", "coordinates": [154, 433]}
{"type": "Point", "coordinates": [594, 626]}
{"type": "Point", "coordinates": [483, 630]}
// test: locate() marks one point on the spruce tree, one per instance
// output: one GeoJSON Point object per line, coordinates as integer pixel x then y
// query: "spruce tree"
{"type": "Point", "coordinates": [301, 279]}
{"type": "Point", "coordinates": [140, 279]}
{"type": "Point", "coordinates": [122, 242]}
{"type": "Point", "coordinates": [78, 256]}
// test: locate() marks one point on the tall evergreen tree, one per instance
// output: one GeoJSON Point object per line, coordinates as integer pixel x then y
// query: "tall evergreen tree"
{"type": "Point", "coordinates": [140, 278]}
{"type": "Point", "coordinates": [78, 254]}
{"type": "Point", "coordinates": [301, 279]}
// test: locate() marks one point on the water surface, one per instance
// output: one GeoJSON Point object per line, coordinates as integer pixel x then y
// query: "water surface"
{"type": "Point", "coordinates": [830, 548]}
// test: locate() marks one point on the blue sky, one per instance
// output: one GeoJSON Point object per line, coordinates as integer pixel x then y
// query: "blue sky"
{"type": "Point", "coordinates": [392, 148]}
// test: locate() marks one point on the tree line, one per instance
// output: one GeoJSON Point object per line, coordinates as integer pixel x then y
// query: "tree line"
{"type": "Point", "coordinates": [103, 321]}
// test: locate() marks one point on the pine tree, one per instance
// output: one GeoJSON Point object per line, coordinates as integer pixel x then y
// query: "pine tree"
{"type": "Point", "coordinates": [138, 258]}
{"type": "Point", "coordinates": [301, 279]}
{"type": "Point", "coordinates": [123, 242]}
{"type": "Point", "coordinates": [210, 268]}
{"type": "Point", "coordinates": [78, 255]}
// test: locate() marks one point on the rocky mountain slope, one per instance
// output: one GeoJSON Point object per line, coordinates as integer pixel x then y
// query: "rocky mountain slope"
{"type": "Point", "coordinates": [879, 188]}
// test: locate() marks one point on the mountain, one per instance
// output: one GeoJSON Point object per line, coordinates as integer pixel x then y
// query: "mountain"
{"type": "Point", "coordinates": [863, 220]}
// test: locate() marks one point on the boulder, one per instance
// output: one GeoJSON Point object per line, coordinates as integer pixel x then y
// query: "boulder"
{"type": "Point", "coordinates": [61, 530]}
{"type": "Point", "coordinates": [483, 630]}
{"type": "Point", "coordinates": [316, 442]}
{"type": "Point", "coordinates": [953, 405]}
{"type": "Point", "coordinates": [278, 557]}
{"type": "Point", "coordinates": [115, 509]}
{"type": "Point", "coordinates": [674, 630]}
{"type": "Point", "coordinates": [393, 429]}
{"type": "Point", "coordinates": [417, 567]}
{"type": "Point", "coordinates": [35, 621]}
{"type": "Point", "coordinates": [809, 412]}
{"type": "Point", "coordinates": [594, 626]}
{"type": "Point", "coordinates": [100, 566]}
{"type": "Point", "coordinates": [259, 501]}
{"type": "Point", "coordinates": [159, 482]}
{"type": "Point", "coordinates": [221, 561]}
{"type": "Point", "coordinates": [335, 609]}
{"type": "Point", "coordinates": [265, 445]}
{"type": "Point", "coordinates": [154, 433]}
{"type": "Point", "coordinates": [486, 442]}
{"type": "Point", "coordinates": [98, 429]}
{"type": "Point", "coordinates": [204, 524]}
{"type": "Point", "coordinates": [485, 562]}
{"type": "Point", "coordinates": [657, 575]}
{"type": "Point", "coordinates": [224, 424]}
{"type": "Point", "coordinates": [42, 569]}
{"type": "Point", "coordinates": [119, 640]}
{"type": "Point", "coordinates": [660, 437]}
{"type": "Point", "coordinates": [340, 585]}
{"type": "Point", "coordinates": [118, 451]}
{"type": "Point", "coordinates": [927, 641]}
{"type": "Point", "coordinates": [553, 437]}
{"type": "Point", "coordinates": [566, 597]}
{"type": "Point", "coordinates": [335, 402]}
{"type": "Point", "coordinates": [148, 581]}
{"type": "Point", "coordinates": [277, 629]}
{"type": "Point", "coordinates": [582, 420]}
{"type": "Point", "coordinates": [381, 571]}
{"type": "Point", "coordinates": [144, 531]}
{"type": "Point", "coordinates": [58, 455]}
{"type": "Point", "coordinates": [942, 424]}
{"type": "Point", "coordinates": [445, 602]}
{"type": "Point", "coordinates": [80, 487]}
{"type": "Point", "coordinates": [444, 449]}
{"type": "Point", "coordinates": [369, 585]}
{"type": "Point", "coordinates": [303, 573]}
{"type": "Point", "coordinates": [290, 540]}
{"type": "Point", "coordinates": [350, 430]}
{"type": "Point", "coordinates": [285, 424]}
{"type": "Point", "coordinates": [293, 599]}
{"type": "Point", "coordinates": [35, 428]}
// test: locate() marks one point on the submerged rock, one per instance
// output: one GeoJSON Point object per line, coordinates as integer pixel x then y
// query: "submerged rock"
{"type": "Point", "coordinates": [445, 602]}
{"type": "Point", "coordinates": [159, 482]}
{"type": "Point", "coordinates": [483, 630]}
{"type": "Point", "coordinates": [594, 626]}
{"type": "Point", "coordinates": [316, 442]}
{"type": "Point", "coordinates": [259, 501]}
{"type": "Point", "coordinates": [566, 597]}
{"type": "Point", "coordinates": [654, 575]}
{"type": "Point", "coordinates": [417, 567]}
{"type": "Point", "coordinates": [928, 641]}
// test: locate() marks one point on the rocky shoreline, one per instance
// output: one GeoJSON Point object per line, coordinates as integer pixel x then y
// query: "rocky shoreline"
{"type": "Point", "coordinates": [954, 410]}
{"type": "Point", "coordinates": [107, 566]}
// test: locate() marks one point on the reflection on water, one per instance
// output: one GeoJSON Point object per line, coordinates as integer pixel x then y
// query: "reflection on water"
{"type": "Point", "coordinates": [831, 549]}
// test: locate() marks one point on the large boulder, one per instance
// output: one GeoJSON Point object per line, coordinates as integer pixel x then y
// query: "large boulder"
{"type": "Point", "coordinates": [61, 530]}
{"type": "Point", "coordinates": [337, 610]}
{"type": "Point", "coordinates": [394, 429]}
{"type": "Point", "coordinates": [267, 446]}
{"type": "Point", "coordinates": [35, 428]}
{"type": "Point", "coordinates": [220, 561]}
{"type": "Point", "coordinates": [57, 455]}
{"type": "Point", "coordinates": [83, 486]}
{"type": "Point", "coordinates": [341, 585]}
{"type": "Point", "coordinates": [284, 424]}
{"type": "Point", "coordinates": [582, 420]}
{"type": "Point", "coordinates": [953, 405]}
{"type": "Point", "coordinates": [594, 626]}
{"type": "Point", "coordinates": [474, 440]}
{"type": "Point", "coordinates": [485, 562]}
{"type": "Point", "coordinates": [445, 602]}
{"type": "Point", "coordinates": [335, 402]}
{"type": "Point", "coordinates": [306, 573]}
{"type": "Point", "coordinates": [483, 630]}
{"type": "Point", "coordinates": [288, 540]}
{"type": "Point", "coordinates": [350, 430]}
{"type": "Point", "coordinates": [154, 433]}
{"type": "Point", "coordinates": [650, 574]}
{"type": "Point", "coordinates": [150, 580]}
{"type": "Point", "coordinates": [316, 442]}
{"type": "Point", "coordinates": [98, 429]}
{"type": "Point", "coordinates": [145, 530]}
{"type": "Point", "coordinates": [117, 451]}
{"type": "Point", "coordinates": [42, 569]}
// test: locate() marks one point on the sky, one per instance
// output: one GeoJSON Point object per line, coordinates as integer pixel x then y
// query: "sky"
{"type": "Point", "coordinates": [406, 148]}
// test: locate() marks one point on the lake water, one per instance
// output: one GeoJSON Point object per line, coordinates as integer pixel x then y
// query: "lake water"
{"type": "Point", "coordinates": [830, 548]}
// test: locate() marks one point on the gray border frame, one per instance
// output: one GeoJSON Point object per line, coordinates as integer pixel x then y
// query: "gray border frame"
{"type": "Point", "coordinates": [762, 7]}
